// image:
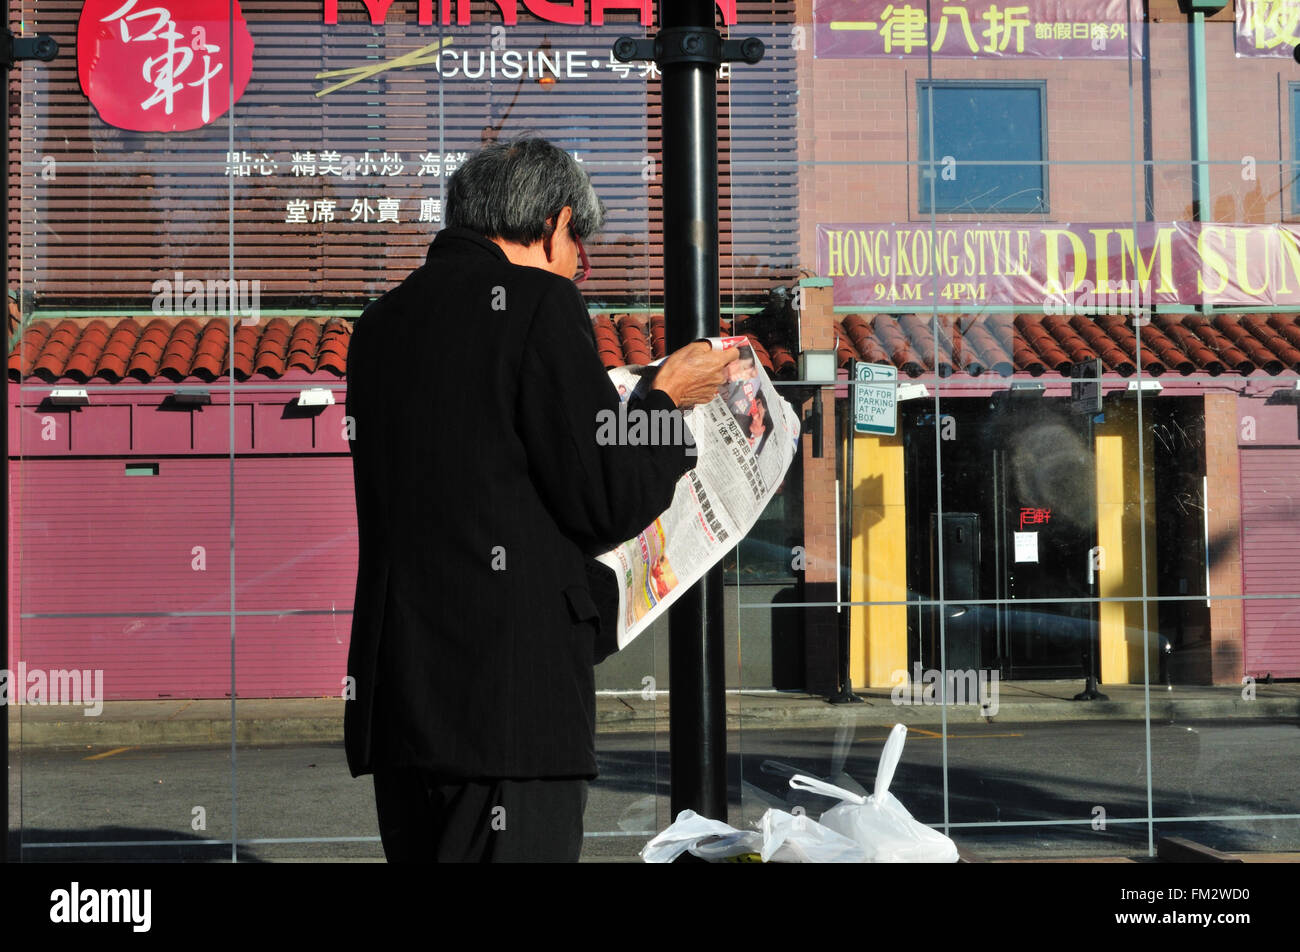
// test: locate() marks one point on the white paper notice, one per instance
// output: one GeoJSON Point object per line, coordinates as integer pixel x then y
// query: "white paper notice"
{"type": "Point", "coordinates": [1026, 546]}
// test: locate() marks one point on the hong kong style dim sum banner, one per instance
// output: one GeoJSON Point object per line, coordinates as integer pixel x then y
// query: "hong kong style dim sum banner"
{"type": "Point", "coordinates": [1069, 29]}
{"type": "Point", "coordinates": [1081, 266]}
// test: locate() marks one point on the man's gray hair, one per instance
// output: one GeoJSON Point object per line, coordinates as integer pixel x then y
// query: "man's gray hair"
{"type": "Point", "coordinates": [510, 189]}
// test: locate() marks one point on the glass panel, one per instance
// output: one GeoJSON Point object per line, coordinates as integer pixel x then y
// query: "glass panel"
{"type": "Point", "coordinates": [122, 493]}
{"type": "Point", "coordinates": [1043, 515]}
{"type": "Point", "coordinates": [1223, 432]}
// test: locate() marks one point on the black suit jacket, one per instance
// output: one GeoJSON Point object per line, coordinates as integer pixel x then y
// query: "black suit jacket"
{"type": "Point", "coordinates": [475, 388]}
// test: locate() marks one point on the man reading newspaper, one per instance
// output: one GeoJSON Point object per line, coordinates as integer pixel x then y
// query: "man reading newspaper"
{"type": "Point", "coordinates": [481, 489]}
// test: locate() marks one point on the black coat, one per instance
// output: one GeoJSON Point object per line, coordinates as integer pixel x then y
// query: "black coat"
{"type": "Point", "coordinates": [474, 389]}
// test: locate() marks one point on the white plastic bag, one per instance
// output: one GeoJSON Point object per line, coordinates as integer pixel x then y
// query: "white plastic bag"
{"type": "Point", "coordinates": [797, 838]}
{"type": "Point", "coordinates": [782, 838]}
{"type": "Point", "coordinates": [705, 838]}
{"type": "Point", "coordinates": [880, 824]}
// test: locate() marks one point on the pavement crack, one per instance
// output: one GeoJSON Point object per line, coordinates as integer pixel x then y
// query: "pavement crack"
{"type": "Point", "coordinates": [180, 710]}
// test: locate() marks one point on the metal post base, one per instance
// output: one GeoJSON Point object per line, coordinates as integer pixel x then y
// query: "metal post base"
{"type": "Point", "coordinates": [846, 696]}
{"type": "Point", "coordinates": [1090, 692]}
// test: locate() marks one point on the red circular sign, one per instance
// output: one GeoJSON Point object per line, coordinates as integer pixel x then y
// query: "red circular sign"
{"type": "Point", "coordinates": [162, 65]}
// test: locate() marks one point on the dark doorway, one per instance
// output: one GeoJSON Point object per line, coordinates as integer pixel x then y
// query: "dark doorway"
{"type": "Point", "coordinates": [1017, 526]}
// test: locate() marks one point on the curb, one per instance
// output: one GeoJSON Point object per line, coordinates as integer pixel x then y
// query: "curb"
{"type": "Point", "coordinates": [324, 725]}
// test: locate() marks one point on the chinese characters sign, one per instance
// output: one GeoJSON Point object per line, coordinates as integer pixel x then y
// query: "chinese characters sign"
{"type": "Point", "coordinates": [1034, 516]}
{"type": "Point", "coordinates": [573, 13]}
{"type": "Point", "coordinates": [1072, 29]}
{"type": "Point", "coordinates": [162, 66]}
{"type": "Point", "coordinates": [1068, 268]}
{"type": "Point", "coordinates": [1267, 27]}
{"type": "Point", "coordinates": [368, 169]}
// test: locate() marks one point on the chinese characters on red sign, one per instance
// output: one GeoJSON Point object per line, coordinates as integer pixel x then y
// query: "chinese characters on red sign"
{"type": "Point", "coordinates": [162, 67]}
{"type": "Point", "coordinates": [572, 13]}
{"type": "Point", "coordinates": [1267, 27]}
{"type": "Point", "coordinates": [1034, 516]}
{"type": "Point", "coordinates": [1073, 29]}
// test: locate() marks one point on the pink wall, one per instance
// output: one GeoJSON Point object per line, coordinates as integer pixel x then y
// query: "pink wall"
{"type": "Point", "coordinates": [142, 564]}
{"type": "Point", "coordinates": [141, 422]}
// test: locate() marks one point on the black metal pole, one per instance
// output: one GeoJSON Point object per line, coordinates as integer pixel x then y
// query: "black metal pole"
{"type": "Point", "coordinates": [697, 719]}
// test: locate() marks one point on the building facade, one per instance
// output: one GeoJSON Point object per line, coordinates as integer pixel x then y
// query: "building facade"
{"type": "Point", "coordinates": [1070, 229]}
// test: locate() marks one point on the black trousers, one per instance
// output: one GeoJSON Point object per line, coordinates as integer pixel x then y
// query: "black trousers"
{"type": "Point", "coordinates": [424, 818]}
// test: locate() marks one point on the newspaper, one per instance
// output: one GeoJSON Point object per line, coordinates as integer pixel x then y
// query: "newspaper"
{"type": "Point", "coordinates": [745, 440]}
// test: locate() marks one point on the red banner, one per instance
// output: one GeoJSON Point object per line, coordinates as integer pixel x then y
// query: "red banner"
{"type": "Point", "coordinates": [1267, 27]}
{"type": "Point", "coordinates": [1072, 268]}
{"type": "Point", "coordinates": [1059, 29]}
{"type": "Point", "coordinates": [162, 68]}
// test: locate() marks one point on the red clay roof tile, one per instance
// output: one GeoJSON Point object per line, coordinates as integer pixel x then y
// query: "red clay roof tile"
{"type": "Point", "coordinates": [25, 352]}
{"type": "Point", "coordinates": [1196, 350]}
{"type": "Point", "coordinates": [81, 364]}
{"type": "Point", "coordinates": [896, 345]}
{"type": "Point", "coordinates": [179, 355]}
{"type": "Point", "coordinates": [1231, 327]}
{"type": "Point", "coordinates": [1285, 326]}
{"type": "Point", "coordinates": [113, 358]}
{"type": "Point", "coordinates": [1040, 342]}
{"type": "Point", "coordinates": [761, 353]}
{"type": "Point", "coordinates": [113, 348]}
{"type": "Point", "coordinates": [784, 364]}
{"type": "Point", "coordinates": [147, 356]}
{"type": "Point", "coordinates": [210, 352]}
{"type": "Point", "coordinates": [636, 345]}
{"type": "Point", "coordinates": [1182, 344]}
{"type": "Point", "coordinates": [992, 355]}
{"type": "Point", "coordinates": [1274, 342]}
{"type": "Point", "coordinates": [1229, 354]}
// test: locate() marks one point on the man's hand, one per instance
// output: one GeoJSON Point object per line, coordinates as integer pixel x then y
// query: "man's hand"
{"type": "Point", "coordinates": [694, 374]}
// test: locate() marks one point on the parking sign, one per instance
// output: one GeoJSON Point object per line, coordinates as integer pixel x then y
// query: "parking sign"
{"type": "Point", "coordinates": [875, 399]}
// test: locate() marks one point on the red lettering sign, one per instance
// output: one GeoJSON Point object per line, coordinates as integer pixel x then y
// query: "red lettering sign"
{"type": "Point", "coordinates": [572, 12]}
{"type": "Point", "coordinates": [1034, 516]}
{"type": "Point", "coordinates": [162, 65]}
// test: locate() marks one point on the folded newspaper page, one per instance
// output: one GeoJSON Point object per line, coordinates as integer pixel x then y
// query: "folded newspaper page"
{"type": "Point", "coordinates": [745, 439]}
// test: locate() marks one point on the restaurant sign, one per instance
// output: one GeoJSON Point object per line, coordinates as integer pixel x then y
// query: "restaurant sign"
{"type": "Point", "coordinates": [162, 67]}
{"type": "Point", "coordinates": [1093, 267]}
{"type": "Point", "coordinates": [573, 13]}
{"type": "Point", "coordinates": [1059, 29]}
{"type": "Point", "coordinates": [1267, 27]}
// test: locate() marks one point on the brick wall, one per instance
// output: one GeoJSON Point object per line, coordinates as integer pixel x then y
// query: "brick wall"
{"type": "Point", "coordinates": [866, 111]}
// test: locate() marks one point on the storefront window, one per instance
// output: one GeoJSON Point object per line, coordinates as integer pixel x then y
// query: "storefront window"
{"type": "Point", "coordinates": [1045, 252]}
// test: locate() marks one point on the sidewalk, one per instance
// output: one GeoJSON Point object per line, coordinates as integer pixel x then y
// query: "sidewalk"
{"type": "Point", "coordinates": [199, 723]}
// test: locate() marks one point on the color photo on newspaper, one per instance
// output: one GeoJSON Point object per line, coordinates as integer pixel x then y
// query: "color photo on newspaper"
{"type": "Point", "coordinates": [745, 440]}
